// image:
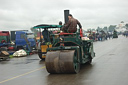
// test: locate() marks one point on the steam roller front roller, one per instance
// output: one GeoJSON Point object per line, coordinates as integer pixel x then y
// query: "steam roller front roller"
{"type": "Point", "coordinates": [64, 61]}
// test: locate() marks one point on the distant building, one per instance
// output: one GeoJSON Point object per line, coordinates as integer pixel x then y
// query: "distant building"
{"type": "Point", "coordinates": [121, 27]}
{"type": "Point", "coordinates": [122, 24]}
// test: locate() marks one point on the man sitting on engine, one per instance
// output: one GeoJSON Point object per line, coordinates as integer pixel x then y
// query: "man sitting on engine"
{"type": "Point", "coordinates": [71, 25]}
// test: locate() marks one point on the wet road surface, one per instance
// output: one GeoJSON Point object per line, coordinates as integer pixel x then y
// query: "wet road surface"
{"type": "Point", "coordinates": [109, 67]}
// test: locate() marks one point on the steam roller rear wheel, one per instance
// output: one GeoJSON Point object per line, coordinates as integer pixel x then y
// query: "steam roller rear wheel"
{"type": "Point", "coordinates": [64, 61]}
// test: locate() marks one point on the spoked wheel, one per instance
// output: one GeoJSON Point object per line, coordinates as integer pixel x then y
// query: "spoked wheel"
{"type": "Point", "coordinates": [40, 55]}
{"type": "Point", "coordinates": [64, 61]}
{"type": "Point", "coordinates": [76, 63]}
{"type": "Point", "coordinates": [90, 60]}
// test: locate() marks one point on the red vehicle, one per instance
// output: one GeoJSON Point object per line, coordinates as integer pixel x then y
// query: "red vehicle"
{"type": "Point", "coordinates": [4, 44]}
{"type": "Point", "coordinates": [4, 38]}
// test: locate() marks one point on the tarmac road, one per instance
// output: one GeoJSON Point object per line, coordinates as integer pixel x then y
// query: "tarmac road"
{"type": "Point", "coordinates": [109, 67]}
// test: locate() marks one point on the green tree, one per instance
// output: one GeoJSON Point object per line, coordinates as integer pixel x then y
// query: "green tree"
{"type": "Point", "coordinates": [111, 28]}
{"type": "Point", "coordinates": [126, 25]}
{"type": "Point", "coordinates": [35, 31]}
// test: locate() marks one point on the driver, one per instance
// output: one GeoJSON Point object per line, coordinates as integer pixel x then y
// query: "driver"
{"type": "Point", "coordinates": [45, 34]}
{"type": "Point", "coordinates": [71, 25]}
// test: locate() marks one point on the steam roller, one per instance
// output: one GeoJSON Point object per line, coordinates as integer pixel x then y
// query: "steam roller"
{"type": "Point", "coordinates": [63, 52]}
{"type": "Point", "coordinates": [68, 52]}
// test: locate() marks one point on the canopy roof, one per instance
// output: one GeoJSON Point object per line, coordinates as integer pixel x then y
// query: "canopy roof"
{"type": "Point", "coordinates": [46, 26]}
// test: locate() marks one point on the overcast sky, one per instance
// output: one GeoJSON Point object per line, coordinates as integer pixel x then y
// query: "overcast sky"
{"type": "Point", "coordinates": [23, 14]}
